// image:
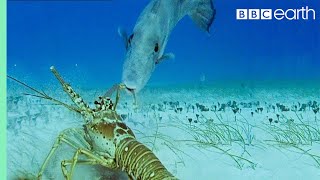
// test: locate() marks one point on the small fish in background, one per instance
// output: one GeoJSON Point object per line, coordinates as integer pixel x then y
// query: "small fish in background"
{"type": "Point", "coordinates": [202, 80]}
{"type": "Point", "coordinates": [145, 46]}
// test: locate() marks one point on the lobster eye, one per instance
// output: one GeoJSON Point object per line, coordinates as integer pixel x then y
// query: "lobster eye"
{"type": "Point", "coordinates": [156, 48]}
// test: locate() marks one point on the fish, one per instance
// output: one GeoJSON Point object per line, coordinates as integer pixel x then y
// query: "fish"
{"type": "Point", "coordinates": [146, 45]}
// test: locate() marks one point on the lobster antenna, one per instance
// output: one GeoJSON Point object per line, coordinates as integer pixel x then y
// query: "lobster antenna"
{"type": "Point", "coordinates": [43, 95]}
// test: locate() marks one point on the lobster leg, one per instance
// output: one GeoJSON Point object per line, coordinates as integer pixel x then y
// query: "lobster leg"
{"type": "Point", "coordinates": [79, 134]}
{"type": "Point", "coordinates": [63, 137]}
{"type": "Point", "coordinates": [111, 90]}
{"type": "Point", "coordinates": [65, 163]}
{"type": "Point", "coordinates": [120, 87]}
{"type": "Point", "coordinates": [116, 87]}
{"type": "Point", "coordinates": [93, 159]}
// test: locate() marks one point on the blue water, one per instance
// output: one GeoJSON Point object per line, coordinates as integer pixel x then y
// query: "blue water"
{"type": "Point", "coordinates": [80, 38]}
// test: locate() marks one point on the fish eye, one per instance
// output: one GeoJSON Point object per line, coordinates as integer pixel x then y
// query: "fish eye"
{"type": "Point", "coordinates": [156, 48]}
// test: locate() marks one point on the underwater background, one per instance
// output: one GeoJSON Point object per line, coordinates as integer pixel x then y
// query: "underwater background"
{"type": "Point", "coordinates": [239, 103]}
{"type": "Point", "coordinates": [81, 36]}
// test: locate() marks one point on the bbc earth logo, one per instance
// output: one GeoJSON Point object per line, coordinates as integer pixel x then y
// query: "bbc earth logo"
{"type": "Point", "coordinates": [304, 13]}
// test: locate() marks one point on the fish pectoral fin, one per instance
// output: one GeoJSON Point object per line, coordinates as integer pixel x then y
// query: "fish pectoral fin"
{"type": "Point", "coordinates": [203, 14]}
{"type": "Point", "coordinates": [123, 34]}
{"type": "Point", "coordinates": [164, 57]}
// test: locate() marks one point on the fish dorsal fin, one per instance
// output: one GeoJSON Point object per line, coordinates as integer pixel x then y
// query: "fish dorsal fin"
{"type": "Point", "coordinates": [123, 34]}
{"type": "Point", "coordinates": [164, 57]}
{"type": "Point", "coordinates": [126, 39]}
{"type": "Point", "coordinates": [203, 14]}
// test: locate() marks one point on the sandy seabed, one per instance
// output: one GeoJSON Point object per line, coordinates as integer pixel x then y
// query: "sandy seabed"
{"type": "Point", "coordinates": [203, 132]}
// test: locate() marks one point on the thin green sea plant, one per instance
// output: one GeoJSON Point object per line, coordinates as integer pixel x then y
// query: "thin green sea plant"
{"type": "Point", "coordinates": [294, 135]}
{"type": "Point", "coordinates": [206, 135]}
{"type": "Point", "coordinates": [302, 151]}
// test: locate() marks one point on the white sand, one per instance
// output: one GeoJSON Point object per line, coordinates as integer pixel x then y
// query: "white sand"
{"type": "Point", "coordinates": [34, 124]}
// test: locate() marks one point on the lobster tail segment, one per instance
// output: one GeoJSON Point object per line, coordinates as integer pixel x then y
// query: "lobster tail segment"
{"type": "Point", "coordinates": [140, 162]}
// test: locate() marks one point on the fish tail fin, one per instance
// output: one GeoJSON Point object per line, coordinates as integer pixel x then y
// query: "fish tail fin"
{"type": "Point", "coordinates": [203, 13]}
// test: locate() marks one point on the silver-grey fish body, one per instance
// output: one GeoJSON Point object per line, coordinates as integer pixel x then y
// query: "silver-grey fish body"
{"type": "Point", "coordinates": [146, 45]}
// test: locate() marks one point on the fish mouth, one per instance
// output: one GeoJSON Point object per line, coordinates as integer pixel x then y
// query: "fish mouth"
{"type": "Point", "coordinates": [131, 90]}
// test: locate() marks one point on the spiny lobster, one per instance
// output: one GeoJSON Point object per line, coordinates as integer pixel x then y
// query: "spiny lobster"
{"type": "Point", "coordinates": [108, 140]}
